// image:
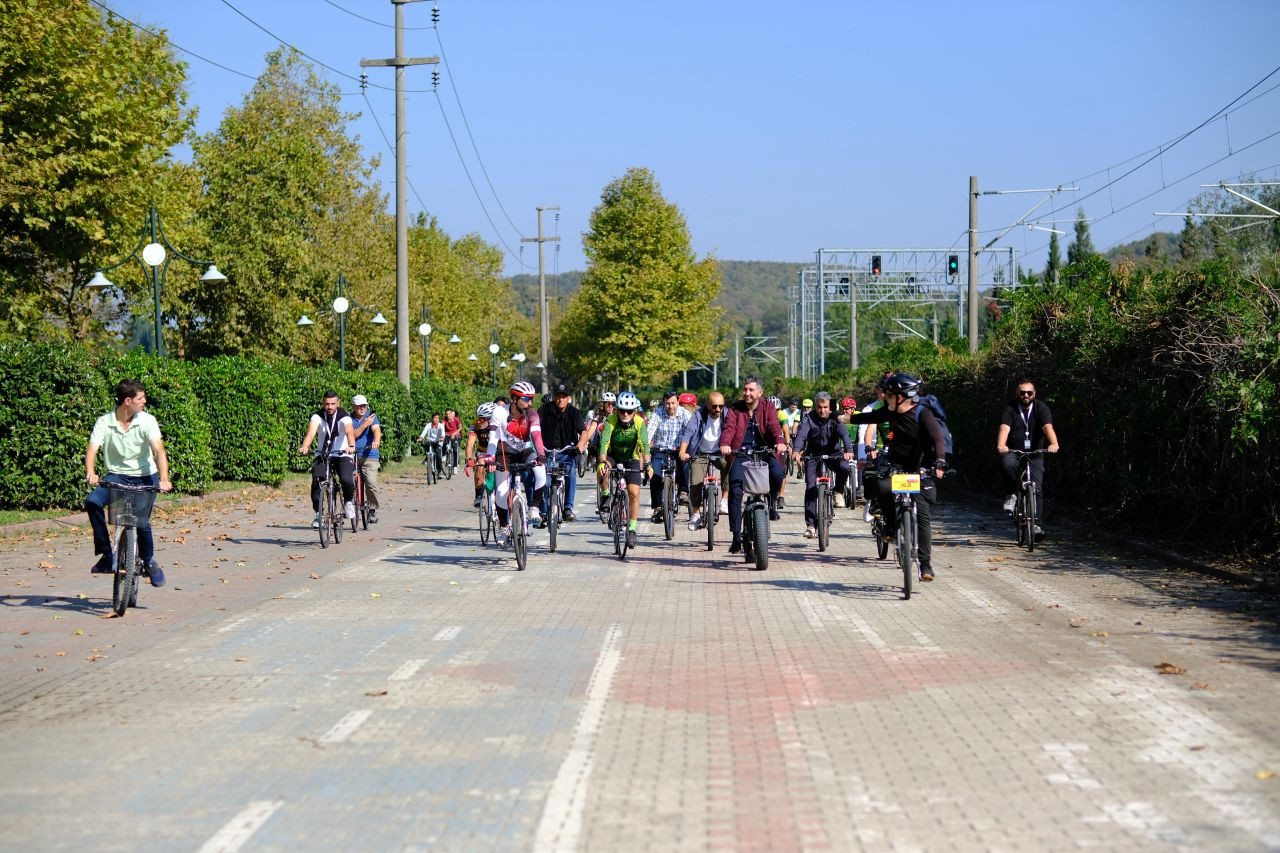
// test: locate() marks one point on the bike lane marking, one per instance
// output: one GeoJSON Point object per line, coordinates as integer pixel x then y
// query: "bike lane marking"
{"type": "Point", "coordinates": [239, 829]}
{"type": "Point", "coordinates": [561, 824]}
{"type": "Point", "coordinates": [407, 670]}
{"type": "Point", "coordinates": [346, 727]}
{"type": "Point", "coordinates": [446, 634]}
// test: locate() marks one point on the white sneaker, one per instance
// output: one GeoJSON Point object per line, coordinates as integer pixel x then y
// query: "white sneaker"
{"type": "Point", "coordinates": [504, 536]}
{"type": "Point", "coordinates": [810, 532]}
{"type": "Point", "coordinates": [535, 515]}
{"type": "Point", "coordinates": [1009, 503]}
{"type": "Point", "coordinates": [840, 500]}
{"type": "Point", "coordinates": [695, 520]}
{"type": "Point", "coordinates": [315, 524]}
{"type": "Point", "coordinates": [350, 510]}
{"type": "Point", "coordinates": [866, 514]}
{"type": "Point", "coordinates": [724, 506]}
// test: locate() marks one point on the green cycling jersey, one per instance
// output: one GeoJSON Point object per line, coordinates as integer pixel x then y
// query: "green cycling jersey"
{"type": "Point", "coordinates": [622, 442]}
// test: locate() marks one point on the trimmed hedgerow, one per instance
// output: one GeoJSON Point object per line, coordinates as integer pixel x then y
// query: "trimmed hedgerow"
{"type": "Point", "coordinates": [246, 402]}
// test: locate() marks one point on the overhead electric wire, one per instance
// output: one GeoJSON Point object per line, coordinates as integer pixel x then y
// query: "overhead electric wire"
{"type": "Point", "coordinates": [391, 148]}
{"type": "Point", "coordinates": [165, 37]}
{"type": "Point", "coordinates": [370, 20]}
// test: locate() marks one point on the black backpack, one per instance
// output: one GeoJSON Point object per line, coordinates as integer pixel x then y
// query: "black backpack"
{"type": "Point", "coordinates": [930, 402]}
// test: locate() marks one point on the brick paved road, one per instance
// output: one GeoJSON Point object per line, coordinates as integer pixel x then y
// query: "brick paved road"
{"type": "Point", "coordinates": [418, 693]}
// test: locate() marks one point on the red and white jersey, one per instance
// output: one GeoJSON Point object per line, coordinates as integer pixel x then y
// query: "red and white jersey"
{"type": "Point", "coordinates": [517, 433]}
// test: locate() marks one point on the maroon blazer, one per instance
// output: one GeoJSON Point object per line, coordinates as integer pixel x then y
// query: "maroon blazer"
{"type": "Point", "coordinates": [735, 424]}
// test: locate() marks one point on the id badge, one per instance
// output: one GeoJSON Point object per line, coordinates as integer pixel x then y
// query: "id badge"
{"type": "Point", "coordinates": [905, 484]}
{"type": "Point", "coordinates": [1026, 443]}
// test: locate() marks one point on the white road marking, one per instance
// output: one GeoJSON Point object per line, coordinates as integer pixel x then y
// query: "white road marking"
{"type": "Point", "coordinates": [233, 624]}
{"type": "Point", "coordinates": [446, 634]}
{"type": "Point", "coordinates": [406, 670]}
{"type": "Point", "coordinates": [503, 579]}
{"type": "Point", "coordinates": [925, 643]}
{"type": "Point", "coordinates": [868, 633]}
{"type": "Point", "coordinates": [239, 829]}
{"type": "Point", "coordinates": [988, 606]}
{"type": "Point", "coordinates": [345, 727]}
{"type": "Point", "coordinates": [561, 824]}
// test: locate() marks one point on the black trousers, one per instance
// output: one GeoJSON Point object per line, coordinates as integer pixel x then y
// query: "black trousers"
{"type": "Point", "coordinates": [924, 511]}
{"type": "Point", "coordinates": [346, 474]}
{"type": "Point", "coordinates": [841, 468]}
{"type": "Point", "coordinates": [776, 473]}
{"type": "Point", "coordinates": [1009, 463]}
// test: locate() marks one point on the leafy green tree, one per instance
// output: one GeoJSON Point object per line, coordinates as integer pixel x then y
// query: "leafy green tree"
{"type": "Point", "coordinates": [1082, 247]}
{"type": "Point", "coordinates": [1054, 264]}
{"type": "Point", "coordinates": [645, 309]}
{"type": "Point", "coordinates": [89, 109]}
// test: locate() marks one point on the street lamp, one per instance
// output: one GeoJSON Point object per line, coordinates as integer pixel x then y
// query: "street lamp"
{"type": "Point", "coordinates": [155, 263]}
{"type": "Point", "coordinates": [493, 352]}
{"type": "Point", "coordinates": [343, 303]}
{"type": "Point", "coordinates": [519, 359]}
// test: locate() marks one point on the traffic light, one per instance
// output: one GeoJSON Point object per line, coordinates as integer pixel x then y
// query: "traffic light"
{"type": "Point", "coordinates": [953, 264]}
{"type": "Point", "coordinates": [875, 265]}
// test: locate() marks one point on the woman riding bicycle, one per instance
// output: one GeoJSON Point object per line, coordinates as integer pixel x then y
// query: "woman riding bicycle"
{"type": "Point", "coordinates": [624, 441]}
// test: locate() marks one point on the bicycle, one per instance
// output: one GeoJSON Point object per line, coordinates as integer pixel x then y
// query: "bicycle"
{"type": "Point", "coordinates": [619, 509]}
{"type": "Point", "coordinates": [755, 509]}
{"type": "Point", "coordinates": [826, 508]}
{"type": "Point", "coordinates": [487, 511]}
{"type": "Point", "coordinates": [359, 499]}
{"type": "Point", "coordinates": [670, 506]}
{"type": "Point", "coordinates": [1026, 510]}
{"type": "Point", "coordinates": [906, 486]}
{"type": "Point", "coordinates": [128, 509]}
{"type": "Point", "coordinates": [450, 456]}
{"type": "Point", "coordinates": [432, 463]}
{"type": "Point", "coordinates": [331, 505]}
{"type": "Point", "coordinates": [710, 496]}
{"type": "Point", "coordinates": [518, 511]}
{"type": "Point", "coordinates": [557, 472]}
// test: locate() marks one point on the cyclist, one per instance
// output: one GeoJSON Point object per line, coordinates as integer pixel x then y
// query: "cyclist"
{"type": "Point", "coordinates": [805, 405]}
{"type": "Point", "coordinates": [787, 438]}
{"type": "Point", "coordinates": [914, 440]}
{"type": "Point", "coordinates": [1029, 423]}
{"type": "Point", "coordinates": [330, 427]}
{"type": "Point", "coordinates": [519, 439]}
{"type": "Point", "coordinates": [664, 434]}
{"type": "Point", "coordinates": [820, 435]}
{"type": "Point", "coordinates": [749, 424]}
{"type": "Point", "coordinates": [605, 408]}
{"type": "Point", "coordinates": [870, 442]}
{"type": "Point", "coordinates": [563, 425]}
{"type": "Point", "coordinates": [702, 435]}
{"type": "Point", "coordinates": [477, 442]}
{"type": "Point", "coordinates": [790, 418]}
{"type": "Point", "coordinates": [689, 402]}
{"type": "Point", "coordinates": [624, 441]}
{"type": "Point", "coordinates": [432, 438]}
{"type": "Point", "coordinates": [848, 406]}
{"type": "Point", "coordinates": [133, 451]}
{"type": "Point", "coordinates": [452, 436]}
{"type": "Point", "coordinates": [368, 432]}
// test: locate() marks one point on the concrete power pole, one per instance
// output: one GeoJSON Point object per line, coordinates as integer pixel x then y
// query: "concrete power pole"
{"type": "Point", "coordinates": [544, 323]}
{"type": "Point", "coordinates": [399, 62]}
{"type": "Point", "coordinates": [973, 263]}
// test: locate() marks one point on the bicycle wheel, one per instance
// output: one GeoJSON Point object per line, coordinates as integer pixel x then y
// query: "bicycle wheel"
{"type": "Point", "coordinates": [1029, 525]}
{"type": "Point", "coordinates": [906, 553]}
{"type": "Point", "coordinates": [519, 534]}
{"type": "Point", "coordinates": [748, 534]}
{"type": "Point", "coordinates": [624, 526]}
{"type": "Point", "coordinates": [1019, 513]}
{"type": "Point", "coordinates": [484, 518]}
{"type": "Point", "coordinates": [824, 518]}
{"type": "Point", "coordinates": [359, 505]}
{"type": "Point", "coordinates": [126, 569]}
{"type": "Point", "coordinates": [668, 508]}
{"type": "Point", "coordinates": [448, 466]}
{"type": "Point", "coordinates": [616, 525]}
{"type": "Point", "coordinates": [325, 520]}
{"type": "Point", "coordinates": [710, 515]}
{"type": "Point", "coordinates": [554, 513]}
{"type": "Point", "coordinates": [761, 533]}
{"type": "Point", "coordinates": [877, 531]}
{"type": "Point", "coordinates": [336, 512]}
{"type": "Point", "coordinates": [133, 587]}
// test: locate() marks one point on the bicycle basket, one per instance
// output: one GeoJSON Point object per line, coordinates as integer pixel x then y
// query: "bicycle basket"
{"type": "Point", "coordinates": [755, 477]}
{"type": "Point", "coordinates": [131, 509]}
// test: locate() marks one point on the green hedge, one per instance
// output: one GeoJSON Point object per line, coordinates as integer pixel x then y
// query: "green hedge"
{"type": "Point", "coordinates": [52, 397]}
{"type": "Point", "coordinates": [246, 402]}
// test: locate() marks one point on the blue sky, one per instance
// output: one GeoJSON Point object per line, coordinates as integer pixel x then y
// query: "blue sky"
{"type": "Point", "coordinates": [779, 128]}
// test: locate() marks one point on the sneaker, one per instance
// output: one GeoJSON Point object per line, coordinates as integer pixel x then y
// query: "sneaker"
{"type": "Point", "coordinates": [476, 503]}
{"type": "Point", "coordinates": [782, 502]}
{"type": "Point", "coordinates": [631, 538]}
{"type": "Point", "coordinates": [926, 572]}
{"type": "Point", "coordinates": [350, 510]}
{"type": "Point", "coordinates": [568, 514]}
{"type": "Point", "coordinates": [889, 536]}
{"type": "Point", "coordinates": [866, 514]}
{"type": "Point", "coordinates": [103, 566]}
{"type": "Point", "coordinates": [683, 500]}
{"type": "Point", "coordinates": [1038, 531]}
{"type": "Point", "coordinates": [695, 520]}
{"type": "Point", "coordinates": [156, 574]}
{"type": "Point", "coordinates": [504, 535]}
{"type": "Point", "coordinates": [724, 506]}
{"type": "Point", "coordinates": [657, 515]}
{"type": "Point", "coordinates": [774, 515]}
{"type": "Point", "coordinates": [735, 547]}
{"type": "Point", "coordinates": [810, 532]}
{"type": "Point", "coordinates": [373, 516]}
{"type": "Point", "coordinates": [315, 522]}
{"type": "Point", "coordinates": [1009, 503]}
{"type": "Point", "coordinates": [840, 500]}
{"type": "Point", "coordinates": [535, 517]}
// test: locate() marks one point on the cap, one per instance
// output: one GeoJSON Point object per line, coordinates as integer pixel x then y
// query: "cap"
{"type": "Point", "coordinates": [562, 389]}
{"type": "Point", "coordinates": [359, 400]}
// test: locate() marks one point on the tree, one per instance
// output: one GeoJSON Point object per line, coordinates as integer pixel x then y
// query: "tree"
{"type": "Point", "coordinates": [1081, 249]}
{"type": "Point", "coordinates": [644, 310]}
{"type": "Point", "coordinates": [1054, 265]}
{"type": "Point", "coordinates": [89, 109]}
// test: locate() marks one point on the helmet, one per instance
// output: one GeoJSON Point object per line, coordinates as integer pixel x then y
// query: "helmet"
{"type": "Point", "coordinates": [777, 403]}
{"type": "Point", "coordinates": [628, 402]}
{"type": "Point", "coordinates": [653, 404]}
{"type": "Point", "coordinates": [521, 389]}
{"type": "Point", "coordinates": [547, 398]}
{"type": "Point", "coordinates": [485, 410]}
{"type": "Point", "coordinates": [903, 384]}
{"type": "Point", "coordinates": [808, 404]}
{"type": "Point", "coordinates": [883, 383]}
{"type": "Point", "coordinates": [359, 400]}
{"type": "Point", "coordinates": [608, 397]}
{"type": "Point", "coordinates": [848, 403]}
{"type": "Point", "coordinates": [687, 399]}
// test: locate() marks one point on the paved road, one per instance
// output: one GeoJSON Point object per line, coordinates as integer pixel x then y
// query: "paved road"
{"type": "Point", "coordinates": [408, 689]}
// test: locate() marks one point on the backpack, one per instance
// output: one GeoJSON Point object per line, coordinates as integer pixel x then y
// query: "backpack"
{"type": "Point", "coordinates": [930, 402]}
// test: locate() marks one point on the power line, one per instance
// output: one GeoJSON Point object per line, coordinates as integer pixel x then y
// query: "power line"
{"type": "Point", "coordinates": [391, 148]}
{"type": "Point", "coordinates": [164, 37]}
{"type": "Point", "coordinates": [369, 20]}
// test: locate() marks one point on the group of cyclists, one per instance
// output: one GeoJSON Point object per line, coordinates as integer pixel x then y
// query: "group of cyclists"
{"type": "Point", "coordinates": [895, 431]}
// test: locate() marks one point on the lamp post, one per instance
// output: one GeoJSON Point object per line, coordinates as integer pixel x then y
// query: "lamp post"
{"type": "Point", "coordinates": [154, 259]}
{"type": "Point", "coordinates": [424, 329]}
{"type": "Point", "coordinates": [493, 351]}
{"type": "Point", "coordinates": [519, 359]}
{"type": "Point", "coordinates": [342, 303]}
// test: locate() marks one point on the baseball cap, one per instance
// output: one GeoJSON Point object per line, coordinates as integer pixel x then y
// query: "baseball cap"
{"type": "Point", "coordinates": [359, 400]}
{"type": "Point", "coordinates": [562, 389]}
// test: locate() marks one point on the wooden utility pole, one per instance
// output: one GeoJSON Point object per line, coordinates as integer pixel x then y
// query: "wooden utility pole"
{"type": "Point", "coordinates": [544, 323]}
{"type": "Point", "coordinates": [973, 263]}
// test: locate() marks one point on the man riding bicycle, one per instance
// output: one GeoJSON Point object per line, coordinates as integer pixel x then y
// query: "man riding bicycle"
{"type": "Point", "coordinates": [1026, 424]}
{"type": "Point", "coordinates": [914, 440]}
{"type": "Point", "coordinates": [702, 435]}
{"type": "Point", "coordinates": [133, 451]}
{"type": "Point", "coordinates": [452, 436]}
{"type": "Point", "coordinates": [330, 427]}
{"type": "Point", "coordinates": [518, 439]}
{"type": "Point", "coordinates": [368, 433]}
{"type": "Point", "coordinates": [665, 428]}
{"type": "Point", "coordinates": [562, 426]}
{"type": "Point", "coordinates": [751, 424]}
{"type": "Point", "coordinates": [821, 435]}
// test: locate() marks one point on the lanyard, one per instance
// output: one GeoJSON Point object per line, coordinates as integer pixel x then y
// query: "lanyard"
{"type": "Point", "coordinates": [1026, 426]}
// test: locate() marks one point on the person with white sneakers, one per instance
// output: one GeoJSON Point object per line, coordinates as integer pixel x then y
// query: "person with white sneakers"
{"type": "Point", "coordinates": [701, 434]}
{"type": "Point", "coordinates": [331, 428]}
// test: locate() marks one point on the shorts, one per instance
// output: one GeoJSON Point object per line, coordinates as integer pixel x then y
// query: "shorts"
{"type": "Point", "coordinates": [635, 471]}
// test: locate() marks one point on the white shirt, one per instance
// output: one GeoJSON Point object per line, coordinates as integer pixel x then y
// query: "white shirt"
{"type": "Point", "coordinates": [710, 441]}
{"type": "Point", "coordinates": [339, 445]}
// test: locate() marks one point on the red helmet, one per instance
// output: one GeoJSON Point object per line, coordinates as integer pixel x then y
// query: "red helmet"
{"type": "Point", "coordinates": [848, 403]}
{"type": "Point", "coordinates": [521, 389]}
{"type": "Point", "coordinates": [687, 399]}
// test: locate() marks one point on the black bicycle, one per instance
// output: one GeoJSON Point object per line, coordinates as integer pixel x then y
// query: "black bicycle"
{"type": "Point", "coordinates": [129, 508]}
{"type": "Point", "coordinates": [826, 507]}
{"type": "Point", "coordinates": [755, 509]}
{"type": "Point", "coordinates": [670, 505]}
{"type": "Point", "coordinates": [433, 462]}
{"type": "Point", "coordinates": [450, 456]}
{"type": "Point", "coordinates": [1026, 508]}
{"type": "Point", "coordinates": [619, 510]}
{"type": "Point", "coordinates": [360, 499]}
{"type": "Point", "coordinates": [711, 491]}
{"type": "Point", "coordinates": [906, 487]}
{"type": "Point", "coordinates": [557, 483]}
{"type": "Point", "coordinates": [332, 513]}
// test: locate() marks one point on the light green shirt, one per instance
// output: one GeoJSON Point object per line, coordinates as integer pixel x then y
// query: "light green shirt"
{"type": "Point", "coordinates": [127, 451]}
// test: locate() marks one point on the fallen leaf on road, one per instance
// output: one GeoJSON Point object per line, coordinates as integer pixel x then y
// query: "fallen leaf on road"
{"type": "Point", "coordinates": [1100, 634]}
{"type": "Point", "coordinates": [95, 658]}
{"type": "Point", "coordinates": [224, 580]}
{"type": "Point", "coordinates": [62, 654]}
{"type": "Point", "coordinates": [997, 559]}
{"type": "Point", "coordinates": [1196, 748]}
{"type": "Point", "coordinates": [39, 669]}
{"type": "Point", "coordinates": [1073, 624]}
{"type": "Point", "coordinates": [242, 564]}
{"type": "Point", "coordinates": [453, 583]}
{"type": "Point", "coordinates": [181, 540]}
{"type": "Point", "coordinates": [81, 595]}
{"type": "Point", "coordinates": [1264, 775]}
{"type": "Point", "coordinates": [184, 531]}
{"type": "Point", "coordinates": [375, 595]}
{"type": "Point", "coordinates": [375, 693]}
{"type": "Point", "coordinates": [314, 576]}
{"type": "Point", "coordinates": [1028, 608]}
{"type": "Point", "coordinates": [297, 556]}
{"type": "Point", "coordinates": [241, 660]}
{"type": "Point", "coordinates": [1170, 669]}
{"type": "Point", "coordinates": [45, 564]}
{"type": "Point", "coordinates": [79, 632]}
{"type": "Point", "coordinates": [1200, 685]}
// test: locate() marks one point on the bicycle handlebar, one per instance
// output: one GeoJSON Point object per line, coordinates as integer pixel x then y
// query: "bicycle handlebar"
{"type": "Point", "coordinates": [128, 487]}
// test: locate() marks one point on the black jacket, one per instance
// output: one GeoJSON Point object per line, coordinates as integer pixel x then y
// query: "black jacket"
{"type": "Point", "coordinates": [560, 428]}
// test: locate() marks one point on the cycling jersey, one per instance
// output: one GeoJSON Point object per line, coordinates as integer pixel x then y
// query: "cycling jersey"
{"type": "Point", "coordinates": [517, 434]}
{"type": "Point", "coordinates": [621, 442]}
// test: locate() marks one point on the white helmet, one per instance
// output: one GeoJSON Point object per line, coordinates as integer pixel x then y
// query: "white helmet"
{"type": "Point", "coordinates": [608, 397]}
{"type": "Point", "coordinates": [775, 402]}
{"type": "Point", "coordinates": [521, 389]}
{"type": "Point", "coordinates": [628, 402]}
{"type": "Point", "coordinates": [485, 410]}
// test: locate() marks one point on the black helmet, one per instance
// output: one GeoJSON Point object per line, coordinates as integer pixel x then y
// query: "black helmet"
{"type": "Point", "coordinates": [547, 398]}
{"type": "Point", "coordinates": [883, 382]}
{"type": "Point", "coordinates": [903, 384]}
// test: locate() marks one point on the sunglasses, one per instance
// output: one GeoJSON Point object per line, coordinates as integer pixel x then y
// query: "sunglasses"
{"type": "Point", "coordinates": [523, 397]}
{"type": "Point", "coordinates": [1026, 393]}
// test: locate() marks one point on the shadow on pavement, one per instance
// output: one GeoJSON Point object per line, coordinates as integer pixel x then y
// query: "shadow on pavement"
{"type": "Point", "coordinates": [53, 602]}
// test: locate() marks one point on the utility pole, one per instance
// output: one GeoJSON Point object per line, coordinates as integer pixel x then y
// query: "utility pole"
{"type": "Point", "coordinates": [544, 324]}
{"type": "Point", "coordinates": [737, 361]}
{"type": "Point", "coordinates": [399, 62]}
{"type": "Point", "coordinates": [973, 263]}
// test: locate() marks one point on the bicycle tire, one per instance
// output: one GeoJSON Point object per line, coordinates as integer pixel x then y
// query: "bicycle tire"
{"type": "Point", "coordinates": [483, 516]}
{"type": "Point", "coordinates": [448, 467]}
{"type": "Point", "coordinates": [553, 517]}
{"type": "Point", "coordinates": [325, 520]}
{"type": "Point", "coordinates": [364, 516]}
{"type": "Point", "coordinates": [882, 547]}
{"type": "Point", "coordinates": [710, 515]}
{"type": "Point", "coordinates": [337, 514]}
{"type": "Point", "coordinates": [906, 551]}
{"type": "Point", "coordinates": [748, 535]}
{"type": "Point", "coordinates": [1019, 513]}
{"type": "Point", "coordinates": [1030, 524]}
{"type": "Point", "coordinates": [761, 535]}
{"type": "Point", "coordinates": [615, 525]}
{"type": "Point", "coordinates": [355, 518]}
{"type": "Point", "coordinates": [668, 508]}
{"type": "Point", "coordinates": [624, 523]}
{"type": "Point", "coordinates": [824, 519]}
{"type": "Point", "coordinates": [519, 534]}
{"type": "Point", "coordinates": [133, 587]}
{"type": "Point", "coordinates": [126, 570]}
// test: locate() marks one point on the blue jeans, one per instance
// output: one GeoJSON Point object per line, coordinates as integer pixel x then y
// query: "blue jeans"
{"type": "Point", "coordinates": [655, 482]}
{"type": "Point", "coordinates": [570, 464]}
{"type": "Point", "coordinates": [95, 506]}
